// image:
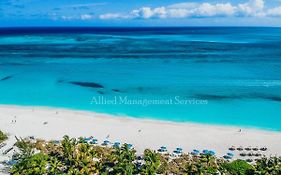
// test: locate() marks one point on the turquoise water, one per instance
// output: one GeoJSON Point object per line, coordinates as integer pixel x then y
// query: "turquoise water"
{"type": "Point", "coordinates": [229, 76]}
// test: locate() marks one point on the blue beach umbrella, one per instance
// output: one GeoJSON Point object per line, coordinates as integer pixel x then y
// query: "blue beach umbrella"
{"type": "Point", "coordinates": [106, 142]}
{"type": "Point", "coordinates": [227, 157]}
{"type": "Point", "coordinates": [56, 142]}
{"type": "Point", "coordinates": [129, 145]}
{"type": "Point", "coordinates": [163, 149]}
{"type": "Point", "coordinates": [94, 141]}
{"type": "Point", "coordinates": [87, 139]}
{"type": "Point", "coordinates": [205, 151]}
{"type": "Point", "coordinates": [179, 149]}
{"type": "Point", "coordinates": [195, 152]}
{"type": "Point", "coordinates": [116, 144]}
{"type": "Point", "coordinates": [230, 154]}
{"type": "Point", "coordinates": [212, 153]}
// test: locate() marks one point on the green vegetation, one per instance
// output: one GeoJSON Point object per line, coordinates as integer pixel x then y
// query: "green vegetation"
{"type": "Point", "coordinates": [75, 157]}
{"type": "Point", "coordinates": [3, 136]}
{"type": "Point", "coordinates": [239, 167]}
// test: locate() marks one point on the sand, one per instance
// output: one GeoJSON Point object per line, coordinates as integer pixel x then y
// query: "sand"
{"type": "Point", "coordinates": [52, 123]}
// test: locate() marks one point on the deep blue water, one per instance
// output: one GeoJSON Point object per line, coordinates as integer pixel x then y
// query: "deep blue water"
{"type": "Point", "coordinates": [221, 75]}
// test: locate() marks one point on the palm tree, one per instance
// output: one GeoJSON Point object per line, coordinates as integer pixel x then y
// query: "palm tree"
{"type": "Point", "coordinates": [152, 162]}
{"type": "Point", "coordinates": [69, 149]}
{"type": "Point", "coordinates": [55, 166]}
{"type": "Point", "coordinates": [34, 165]}
{"type": "Point", "coordinates": [26, 148]}
{"type": "Point", "coordinates": [123, 159]}
{"type": "Point", "coordinates": [3, 136]}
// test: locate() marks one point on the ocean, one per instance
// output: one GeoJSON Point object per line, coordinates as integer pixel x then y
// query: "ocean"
{"type": "Point", "coordinates": [209, 75]}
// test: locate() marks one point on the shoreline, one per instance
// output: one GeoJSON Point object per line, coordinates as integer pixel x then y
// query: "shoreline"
{"type": "Point", "coordinates": [142, 133]}
{"type": "Point", "coordinates": [143, 118]}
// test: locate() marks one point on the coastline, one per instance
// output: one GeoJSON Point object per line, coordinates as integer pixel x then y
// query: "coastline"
{"type": "Point", "coordinates": [142, 133]}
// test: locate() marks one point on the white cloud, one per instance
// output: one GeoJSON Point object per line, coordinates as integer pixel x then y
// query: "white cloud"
{"type": "Point", "coordinates": [147, 12]}
{"type": "Point", "coordinates": [275, 12]}
{"type": "Point", "coordinates": [86, 17]}
{"type": "Point", "coordinates": [209, 10]}
{"type": "Point", "coordinates": [251, 8]}
{"type": "Point", "coordinates": [67, 18]}
{"type": "Point", "coordinates": [112, 16]}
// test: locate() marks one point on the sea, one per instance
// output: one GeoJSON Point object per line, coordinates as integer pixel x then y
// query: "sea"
{"type": "Point", "coordinates": [208, 75]}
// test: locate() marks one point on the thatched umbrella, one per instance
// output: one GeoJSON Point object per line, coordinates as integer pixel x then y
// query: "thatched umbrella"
{"type": "Point", "coordinates": [249, 160]}
{"type": "Point", "coordinates": [250, 154]}
{"type": "Point", "coordinates": [243, 154]}
{"type": "Point", "coordinates": [232, 148]}
{"type": "Point", "coordinates": [263, 148]}
{"type": "Point", "coordinates": [240, 148]}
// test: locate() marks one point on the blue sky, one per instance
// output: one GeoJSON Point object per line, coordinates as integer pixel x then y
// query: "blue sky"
{"type": "Point", "coordinates": [140, 12]}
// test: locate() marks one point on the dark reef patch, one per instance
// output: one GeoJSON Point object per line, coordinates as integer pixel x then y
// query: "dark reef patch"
{"type": "Point", "coordinates": [87, 84]}
{"type": "Point", "coordinates": [268, 97]}
{"type": "Point", "coordinates": [60, 81]}
{"type": "Point", "coordinates": [215, 97]}
{"type": "Point", "coordinates": [6, 78]}
{"type": "Point", "coordinates": [100, 92]}
{"type": "Point", "coordinates": [116, 90]}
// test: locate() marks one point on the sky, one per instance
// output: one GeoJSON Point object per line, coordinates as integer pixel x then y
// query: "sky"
{"type": "Point", "coordinates": [140, 13]}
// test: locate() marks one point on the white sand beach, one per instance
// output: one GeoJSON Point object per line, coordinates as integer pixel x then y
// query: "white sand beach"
{"type": "Point", "coordinates": [52, 123]}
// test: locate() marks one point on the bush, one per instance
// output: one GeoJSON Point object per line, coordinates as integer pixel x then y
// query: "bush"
{"type": "Point", "coordinates": [239, 167]}
{"type": "Point", "coordinates": [3, 136]}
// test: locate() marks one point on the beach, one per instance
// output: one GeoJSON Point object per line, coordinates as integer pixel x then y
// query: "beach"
{"type": "Point", "coordinates": [54, 123]}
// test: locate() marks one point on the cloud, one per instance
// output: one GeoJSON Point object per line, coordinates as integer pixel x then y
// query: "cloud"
{"type": "Point", "coordinates": [274, 12]}
{"type": "Point", "coordinates": [113, 16]}
{"type": "Point", "coordinates": [86, 6]}
{"type": "Point", "coordinates": [251, 8]}
{"type": "Point", "coordinates": [86, 17]}
{"type": "Point", "coordinates": [83, 17]}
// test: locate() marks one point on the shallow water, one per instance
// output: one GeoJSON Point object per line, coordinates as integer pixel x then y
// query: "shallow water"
{"type": "Point", "coordinates": [226, 76]}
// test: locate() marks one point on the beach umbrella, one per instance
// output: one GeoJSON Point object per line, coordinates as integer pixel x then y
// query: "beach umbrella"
{"type": "Point", "coordinates": [180, 149]}
{"type": "Point", "coordinates": [250, 154]}
{"type": "Point", "coordinates": [163, 149]}
{"type": "Point", "coordinates": [116, 144]}
{"type": "Point", "coordinates": [226, 157]}
{"type": "Point", "coordinates": [56, 142]}
{"type": "Point", "coordinates": [230, 154]}
{"type": "Point", "coordinates": [106, 142]}
{"type": "Point", "coordinates": [257, 154]}
{"type": "Point", "coordinates": [263, 149]}
{"type": "Point", "coordinates": [248, 148]}
{"type": "Point", "coordinates": [249, 160]}
{"type": "Point", "coordinates": [255, 149]}
{"type": "Point", "coordinates": [232, 148]}
{"type": "Point", "coordinates": [240, 148]}
{"type": "Point", "coordinates": [205, 151]}
{"type": "Point", "coordinates": [129, 145]}
{"type": "Point", "coordinates": [243, 154]}
{"type": "Point", "coordinates": [94, 141]}
{"type": "Point", "coordinates": [195, 152]}
{"type": "Point", "coordinates": [212, 153]}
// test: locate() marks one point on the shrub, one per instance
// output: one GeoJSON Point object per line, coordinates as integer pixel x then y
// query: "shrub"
{"type": "Point", "coordinates": [239, 167]}
{"type": "Point", "coordinates": [3, 136]}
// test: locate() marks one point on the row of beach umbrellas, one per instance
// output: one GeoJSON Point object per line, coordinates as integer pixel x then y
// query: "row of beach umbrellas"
{"type": "Point", "coordinates": [116, 144]}
{"type": "Point", "coordinates": [204, 152]}
{"type": "Point", "coordinates": [163, 149]}
{"type": "Point", "coordinates": [249, 148]}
